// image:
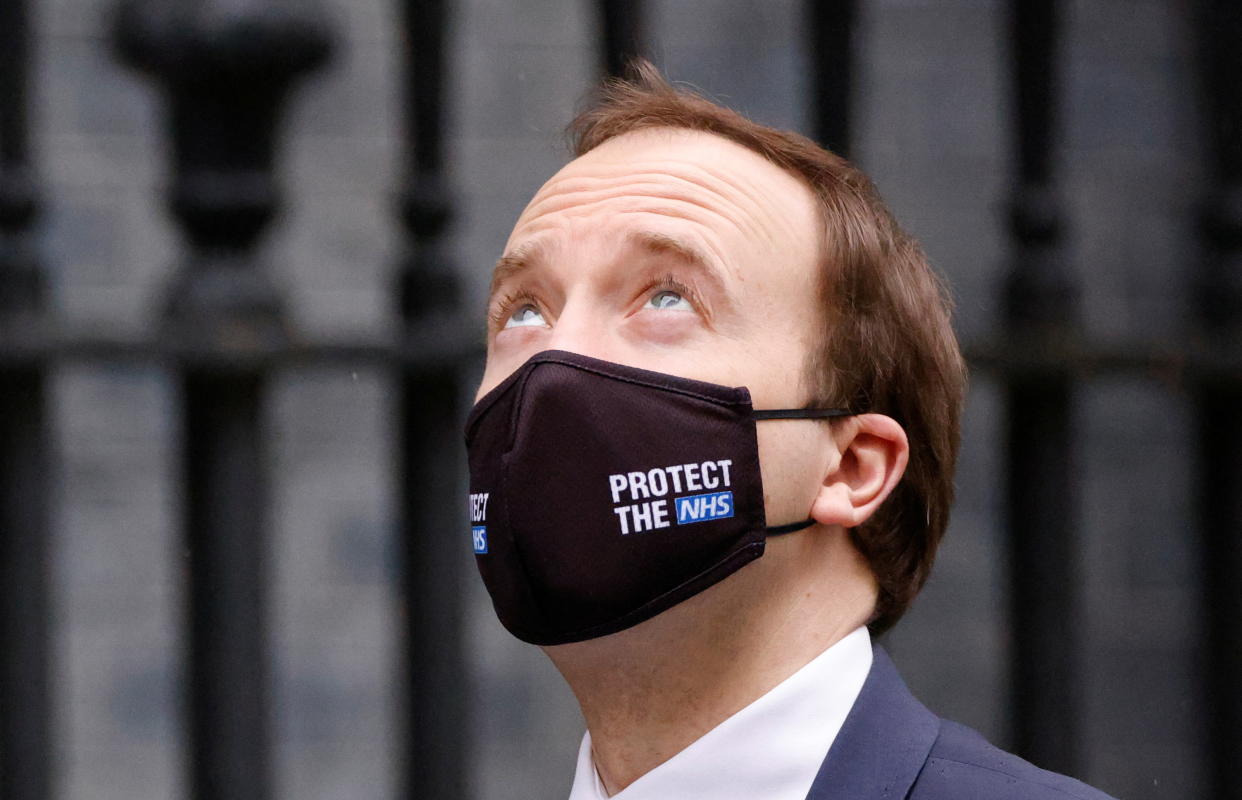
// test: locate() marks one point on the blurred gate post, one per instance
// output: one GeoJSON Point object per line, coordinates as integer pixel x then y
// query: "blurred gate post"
{"type": "Point", "coordinates": [432, 506]}
{"type": "Point", "coordinates": [1219, 392]}
{"type": "Point", "coordinates": [622, 34]}
{"type": "Point", "coordinates": [25, 744]}
{"type": "Point", "coordinates": [1040, 307]}
{"type": "Point", "coordinates": [830, 54]}
{"type": "Point", "coordinates": [225, 70]}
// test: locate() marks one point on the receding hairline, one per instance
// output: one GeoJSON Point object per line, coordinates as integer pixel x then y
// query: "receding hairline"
{"type": "Point", "coordinates": [782, 160]}
{"type": "Point", "coordinates": [518, 255]}
{"type": "Point", "coordinates": [671, 131]}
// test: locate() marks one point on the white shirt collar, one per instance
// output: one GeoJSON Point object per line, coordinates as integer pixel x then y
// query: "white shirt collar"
{"type": "Point", "coordinates": [772, 748]}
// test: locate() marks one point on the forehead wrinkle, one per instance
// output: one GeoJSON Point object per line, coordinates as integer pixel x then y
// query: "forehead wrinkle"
{"type": "Point", "coordinates": [760, 203]}
{"type": "Point", "coordinates": [645, 175]}
{"type": "Point", "coordinates": [705, 221]}
{"type": "Point", "coordinates": [703, 262]}
{"type": "Point", "coordinates": [687, 151]}
{"type": "Point", "coordinates": [745, 204]}
{"type": "Point", "coordinates": [748, 196]}
{"type": "Point", "coordinates": [582, 202]}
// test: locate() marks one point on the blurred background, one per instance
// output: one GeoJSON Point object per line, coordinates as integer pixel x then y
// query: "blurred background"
{"type": "Point", "coordinates": [244, 248]}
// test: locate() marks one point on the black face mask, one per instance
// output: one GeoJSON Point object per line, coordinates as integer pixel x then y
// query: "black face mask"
{"type": "Point", "coordinates": [603, 494]}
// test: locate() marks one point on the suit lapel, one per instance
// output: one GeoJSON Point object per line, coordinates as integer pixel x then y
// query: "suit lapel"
{"type": "Point", "coordinates": [883, 744]}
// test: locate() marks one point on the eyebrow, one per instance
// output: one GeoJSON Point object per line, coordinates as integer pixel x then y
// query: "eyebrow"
{"type": "Point", "coordinates": [686, 252]}
{"type": "Point", "coordinates": [518, 260]}
{"type": "Point", "coordinates": [527, 255]}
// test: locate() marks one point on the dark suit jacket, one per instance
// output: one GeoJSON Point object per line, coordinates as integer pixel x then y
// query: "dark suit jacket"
{"type": "Point", "coordinates": [891, 747]}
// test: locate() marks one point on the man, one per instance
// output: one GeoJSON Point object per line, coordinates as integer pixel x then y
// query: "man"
{"type": "Point", "coordinates": [704, 563]}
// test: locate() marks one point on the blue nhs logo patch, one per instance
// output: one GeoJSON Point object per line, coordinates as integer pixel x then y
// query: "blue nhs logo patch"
{"type": "Point", "coordinates": [480, 538]}
{"type": "Point", "coordinates": [702, 507]}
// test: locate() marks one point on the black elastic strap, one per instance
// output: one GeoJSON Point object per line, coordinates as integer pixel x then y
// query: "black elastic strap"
{"type": "Point", "coordinates": [800, 413]}
{"type": "Point", "coordinates": [777, 530]}
{"type": "Point", "coordinates": [797, 413]}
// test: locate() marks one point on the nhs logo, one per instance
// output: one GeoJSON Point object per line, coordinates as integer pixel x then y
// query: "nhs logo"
{"type": "Point", "coordinates": [702, 507]}
{"type": "Point", "coordinates": [480, 538]}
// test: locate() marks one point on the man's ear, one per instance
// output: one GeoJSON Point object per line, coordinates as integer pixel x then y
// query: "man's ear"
{"type": "Point", "coordinates": [873, 454]}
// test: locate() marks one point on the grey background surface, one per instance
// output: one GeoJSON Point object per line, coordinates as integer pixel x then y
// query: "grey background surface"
{"type": "Point", "coordinates": [932, 120]}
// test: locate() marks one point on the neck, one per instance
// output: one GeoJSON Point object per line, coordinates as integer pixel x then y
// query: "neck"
{"type": "Point", "coordinates": [648, 692]}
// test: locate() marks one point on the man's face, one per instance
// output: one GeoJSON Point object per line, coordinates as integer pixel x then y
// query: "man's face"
{"type": "Point", "coordinates": [680, 252]}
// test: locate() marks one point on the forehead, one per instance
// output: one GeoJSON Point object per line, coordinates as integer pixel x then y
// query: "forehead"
{"type": "Point", "coordinates": [727, 197]}
{"type": "Point", "coordinates": [658, 206]}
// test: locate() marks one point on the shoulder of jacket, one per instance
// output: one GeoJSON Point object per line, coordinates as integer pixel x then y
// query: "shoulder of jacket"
{"type": "Point", "coordinates": [965, 766]}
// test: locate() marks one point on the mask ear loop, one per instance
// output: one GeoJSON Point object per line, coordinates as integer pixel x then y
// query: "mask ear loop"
{"type": "Point", "coordinates": [800, 413]}
{"type": "Point", "coordinates": [796, 413]}
{"type": "Point", "coordinates": [777, 530]}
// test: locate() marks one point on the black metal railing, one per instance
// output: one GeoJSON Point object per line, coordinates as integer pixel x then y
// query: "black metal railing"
{"type": "Point", "coordinates": [429, 292]}
{"type": "Point", "coordinates": [1041, 306]}
{"type": "Point", "coordinates": [25, 461]}
{"type": "Point", "coordinates": [1219, 391]}
{"type": "Point", "coordinates": [224, 75]}
{"type": "Point", "coordinates": [226, 72]}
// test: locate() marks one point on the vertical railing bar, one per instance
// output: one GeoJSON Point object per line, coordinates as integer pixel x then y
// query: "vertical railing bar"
{"type": "Point", "coordinates": [1040, 306]}
{"type": "Point", "coordinates": [622, 34]}
{"type": "Point", "coordinates": [21, 283]}
{"type": "Point", "coordinates": [25, 459]}
{"type": "Point", "coordinates": [1034, 37]}
{"type": "Point", "coordinates": [431, 505]}
{"type": "Point", "coordinates": [830, 56]}
{"type": "Point", "coordinates": [225, 534]}
{"type": "Point", "coordinates": [1219, 396]}
{"type": "Point", "coordinates": [225, 70]}
{"type": "Point", "coordinates": [14, 62]}
{"type": "Point", "coordinates": [424, 96]}
{"type": "Point", "coordinates": [25, 745]}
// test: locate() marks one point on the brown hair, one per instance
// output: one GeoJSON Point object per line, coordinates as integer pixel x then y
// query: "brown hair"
{"type": "Point", "coordinates": [888, 346]}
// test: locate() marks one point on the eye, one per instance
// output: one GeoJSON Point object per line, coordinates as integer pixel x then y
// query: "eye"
{"type": "Point", "coordinates": [525, 316]}
{"type": "Point", "coordinates": [669, 299]}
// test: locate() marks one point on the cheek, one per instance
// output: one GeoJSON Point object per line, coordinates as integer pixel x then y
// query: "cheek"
{"type": "Point", "coordinates": [787, 462]}
{"type": "Point", "coordinates": [507, 351]}
{"type": "Point", "coordinates": [664, 327]}
{"type": "Point", "coordinates": [509, 343]}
